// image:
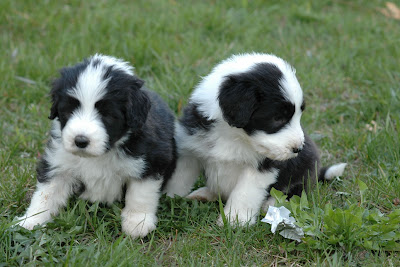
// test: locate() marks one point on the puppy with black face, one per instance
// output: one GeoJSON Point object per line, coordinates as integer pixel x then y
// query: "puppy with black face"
{"type": "Point", "coordinates": [108, 133]}
{"type": "Point", "coordinates": [242, 127]}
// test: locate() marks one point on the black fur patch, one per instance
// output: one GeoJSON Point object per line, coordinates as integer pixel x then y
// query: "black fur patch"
{"type": "Point", "coordinates": [78, 188]}
{"type": "Point", "coordinates": [43, 168]}
{"type": "Point", "coordinates": [66, 105]}
{"type": "Point", "coordinates": [155, 141]}
{"type": "Point", "coordinates": [124, 107]}
{"type": "Point", "coordinates": [297, 173]}
{"type": "Point", "coordinates": [193, 121]}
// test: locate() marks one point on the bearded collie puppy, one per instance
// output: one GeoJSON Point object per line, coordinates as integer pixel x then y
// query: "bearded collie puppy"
{"type": "Point", "coordinates": [111, 139]}
{"type": "Point", "coordinates": [242, 128]}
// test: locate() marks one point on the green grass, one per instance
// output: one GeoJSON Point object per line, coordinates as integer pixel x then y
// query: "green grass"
{"type": "Point", "coordinates": [347, 58]}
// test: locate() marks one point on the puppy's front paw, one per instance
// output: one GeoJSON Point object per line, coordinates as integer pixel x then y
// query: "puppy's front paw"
{"type": "Point", "coordinates": [237, 218]}
{"type": "Point", "coordinates": [138, 224]}
{"type": "Point", "coordinates": [30, 222]}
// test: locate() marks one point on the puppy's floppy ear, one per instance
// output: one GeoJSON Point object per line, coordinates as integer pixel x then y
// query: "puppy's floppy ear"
{"type": "Point", "coordinates": [138, 105]}
{"type": "Point", "coordinates": [56, 87]}
{"type": "Point", "coordinates": [237, 100]}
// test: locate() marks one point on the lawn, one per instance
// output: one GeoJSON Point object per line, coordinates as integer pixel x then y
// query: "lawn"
{"type": "Point", "coordinates": [347, 56]}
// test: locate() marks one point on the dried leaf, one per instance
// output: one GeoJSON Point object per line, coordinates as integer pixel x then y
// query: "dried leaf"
{"type": "Point", "coordinates": [391, 11]}
{"type": "Point", "coordinates": [180, 105]}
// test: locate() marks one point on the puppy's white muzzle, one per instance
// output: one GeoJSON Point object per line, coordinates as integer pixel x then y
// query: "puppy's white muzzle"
{"type": "Point", "coordinates": [85, 136]}
{"type": "Point", "coordinates": [282, 145]}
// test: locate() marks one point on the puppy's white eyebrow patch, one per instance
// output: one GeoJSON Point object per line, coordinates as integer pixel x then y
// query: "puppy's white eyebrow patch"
{"type": "Point", "coordinates": [90, 86]}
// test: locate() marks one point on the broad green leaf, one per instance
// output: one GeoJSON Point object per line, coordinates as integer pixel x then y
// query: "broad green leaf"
{"type": "Point", "coordinates": [278, 195]}
{"type": "Point", "coordinates": [303, 201]}
{"type": "Point", "coordinates": [363, 187]}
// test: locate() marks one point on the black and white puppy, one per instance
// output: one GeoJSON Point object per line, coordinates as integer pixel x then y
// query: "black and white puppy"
{"type": "Point", "coordinates": [242, 127]}
{"type": "Point", "coordinates": [108, 133]}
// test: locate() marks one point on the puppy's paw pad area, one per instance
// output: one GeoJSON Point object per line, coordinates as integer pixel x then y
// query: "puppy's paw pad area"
{"type": "Point", "coordinates": [138, 224]}
{"type": "Point", "coordinates": [30, 222]}
{"type": "Point", "coordinates": [237, 219]}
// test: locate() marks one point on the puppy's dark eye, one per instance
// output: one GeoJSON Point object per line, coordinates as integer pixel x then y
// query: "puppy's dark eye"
{"type": "Point", "coordinates": [102, 107]}
{"type": "Point", "coordinates": [278, 118]}
{"type": "Point", "coordinates": [67, 107]}
{"type": "Point", "coordinates": [73, 102]}
{"type": "Point", "coordinates": [107, 110]}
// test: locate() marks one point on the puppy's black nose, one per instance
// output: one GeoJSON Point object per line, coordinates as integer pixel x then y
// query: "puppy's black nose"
{"type": "Point", "coordinates": [81, 141]}
{"type": "Point", "coordinates": [297, 149]}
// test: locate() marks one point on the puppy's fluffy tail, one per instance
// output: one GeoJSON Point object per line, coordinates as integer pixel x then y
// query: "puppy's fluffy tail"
{"type": "Point", "coordinates": [329, 173]}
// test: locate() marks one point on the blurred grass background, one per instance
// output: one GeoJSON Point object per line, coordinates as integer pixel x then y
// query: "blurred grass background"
{"type": "Point", "coordinates": [347, 58]}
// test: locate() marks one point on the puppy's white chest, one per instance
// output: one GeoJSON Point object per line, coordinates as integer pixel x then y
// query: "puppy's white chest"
{"type": "Point", "coordinates": [102, 176]}
{"type": "Point", "coordinates": [225, 177]}
{"type": "Point", "coordinates": [222, 177]}
{"type": "Point", "coordinates": [103, 189]}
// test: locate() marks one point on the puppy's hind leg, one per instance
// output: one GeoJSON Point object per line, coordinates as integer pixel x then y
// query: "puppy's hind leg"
{"type": "Point", "coordinates": [185, 175]}
{"type": "Point", "coordinates": [203, 194]}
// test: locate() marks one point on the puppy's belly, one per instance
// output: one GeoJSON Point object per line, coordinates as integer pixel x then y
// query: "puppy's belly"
{"type": "Point", "coordinates": [103, 189]}
{"type": "Point", "coordinates": [222, 177]}
{"type": "Point", "coordinates": [102, 179]}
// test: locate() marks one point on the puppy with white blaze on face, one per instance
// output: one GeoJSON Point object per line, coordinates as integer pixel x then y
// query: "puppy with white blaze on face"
{"type": "Point", "coordinates": [110, 139]}
{"type": "Point", "coordinates": [242, 128]}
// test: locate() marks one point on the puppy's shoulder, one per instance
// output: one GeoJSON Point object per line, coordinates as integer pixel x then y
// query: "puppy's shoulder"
{"type": "Point", "coordinates": [193, 120]}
